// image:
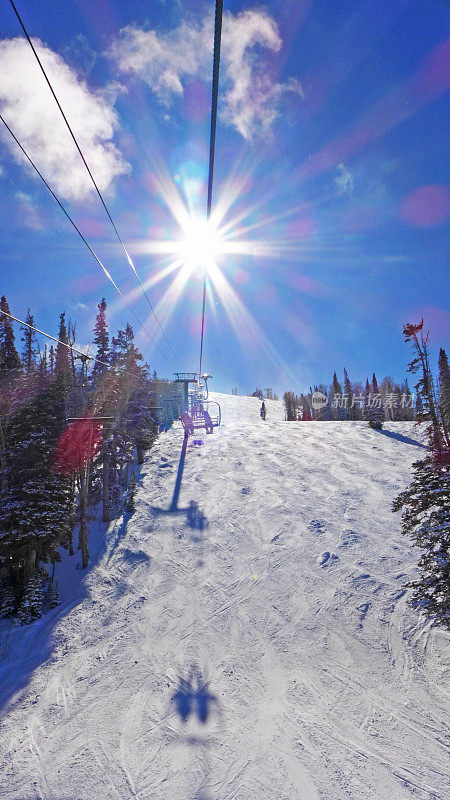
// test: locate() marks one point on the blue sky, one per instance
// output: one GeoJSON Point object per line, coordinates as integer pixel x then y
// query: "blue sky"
{"type": "Point", "coordinates": [331, 185]}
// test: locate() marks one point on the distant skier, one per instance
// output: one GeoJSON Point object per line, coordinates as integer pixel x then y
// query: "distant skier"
{"type": "Point", "coordinates": [263, 410]}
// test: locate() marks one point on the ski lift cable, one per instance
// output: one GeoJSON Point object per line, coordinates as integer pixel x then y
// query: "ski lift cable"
{"type": "Point", "coordinates": [128, 257]}
{"type": "Point", "coordinates": [110, 278]}
{"type": "Point", "coordinates": [212, 143]}
{"type": "Point", "coordinates": [83, 356]}
{"type": "Point", "coordinates": [58, 341]}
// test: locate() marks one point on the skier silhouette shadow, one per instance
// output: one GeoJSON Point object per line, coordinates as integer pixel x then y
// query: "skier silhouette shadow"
{"type": "Point", "coordinates": [401, 438]}
{"type": "Point", "coordinates": [197, 521]}
{"type": "Point", "coordinates": [193, 702]}
{"type": "Point", "coordinates": [193, 698]}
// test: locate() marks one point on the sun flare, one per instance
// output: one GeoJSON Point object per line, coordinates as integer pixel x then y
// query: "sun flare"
{"type": "Point", "coordinates": [201, 245]}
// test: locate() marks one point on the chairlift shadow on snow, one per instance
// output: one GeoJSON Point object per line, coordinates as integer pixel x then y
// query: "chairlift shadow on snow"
{"type": "Point", "coordinates": [401, 438]}
{"type": "Point", "coordinates": [195, 518]}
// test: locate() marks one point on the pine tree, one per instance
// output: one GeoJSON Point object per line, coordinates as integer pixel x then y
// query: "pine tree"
{"type": "Point", "coordinates": [349, 397]}
{"type": "Point", "coordinates": [71, 339]}
{"type": "Point", "coordinates": [34, 501]}
{"type": "Point", "coordinates": [444, 392]}
{"type": "Point", "coordinates": [51, 596]}
{"type": "Point", "coordinates": [62, 362]}
{"type": "Point", "coordinates": [426, 519]}
{"type": "Point", "coordinates": [427, 409]}
{"type": "Point", "coordinates": [43, 364]}
{"type": "Point", "coordinates": [127, 394]}
{"type": "Point", "coordinates": [101, 339]}
{"type": "Point", "coordinates": [7, 599]}
{"type": "Point", "coordinates": [426, 502]}
{"type": "Point", "coordinates": [51, 357]}
{"type": "Point", "coordinates": [337, 411]}
{"type": "Point", "coordinates": [374, 410]}
{"type": "Point", "coordinates": [378, 415]}
{"type": "Point", "coordinates": [367, 401]}
{"type": "Point", "coordinates": [306, 408]}
{"type": "Point", "coordinates": [129, 503]}
{"type": "Point", "coordinates": [289, 404]}
{"type": "Point", "coordinates": [136, 425]}
{"type": "Point", "coordinates": [30, 345]}
{"type": "Point", "coordinates": [9, 357]}
{"type": "Point", "coordinates": [30, 607]}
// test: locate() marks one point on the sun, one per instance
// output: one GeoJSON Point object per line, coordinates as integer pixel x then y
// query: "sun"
{"type": "Point", "coordinates": [201, 245]}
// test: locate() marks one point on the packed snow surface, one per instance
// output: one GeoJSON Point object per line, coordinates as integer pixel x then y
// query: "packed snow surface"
{"type": "Point", "coordinates": [247, 640]}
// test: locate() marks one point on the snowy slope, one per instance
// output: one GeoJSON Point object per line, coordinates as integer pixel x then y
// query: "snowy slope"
{"type": "Point", "coordinates": [269, 603]}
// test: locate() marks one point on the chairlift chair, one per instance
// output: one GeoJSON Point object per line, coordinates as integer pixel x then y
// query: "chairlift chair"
{"type": "Point", "coordinates": [200, 412]}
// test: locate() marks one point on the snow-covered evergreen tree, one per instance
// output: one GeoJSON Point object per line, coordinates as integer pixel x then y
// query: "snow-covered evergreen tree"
{"type": "Point", "coordinates": [62, 360]}
{"type": "Point", "coordinates": [426, 520]}
{"type": "Point", "coordinates": [374, 409]}
{"type": "Point", "coordinates": [9, 357]}
{"type": "Point", "coordinates": [7, 599]}
{"type": "Point", "coordinates": [289, 405]}
{"type": "Point", "coordinates": [101, 339]}
{"type": "Point", "coordinates": [336, 401]}
{"type": "Point", "coordinates": [367, 401]}
{"type": "Point", "coordinates": [426, 502]}
{"type": "Point", "coordinates": [51, 359]}
{"type": "Point", "coordinates": [30, 606]}
{"type": "Point", "coordinates": [34, 500]}
{"type": "Point", "coordinates": [129, 503]}
{"type": "Point", "coordinates": [348, 394]}
{"type": "Point", "coordinates": [51, 595]}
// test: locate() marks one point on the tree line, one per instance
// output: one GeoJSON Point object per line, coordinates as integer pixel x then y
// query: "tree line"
{"type": "Point", "coordinates": [347, 400]}
{"type": "Point", "coordinates": [267, 394]}
{"type": "Point", "coordinates": [69, 439]}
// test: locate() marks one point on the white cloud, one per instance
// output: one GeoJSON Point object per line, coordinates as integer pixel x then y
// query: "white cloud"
{"type": "Point", "coordinates": [250, 96]}
{"type": "Point", "coordinates": [82, 307]}
{"type": "Point", "coordinates": [30, 110]}
{"type": "Point", "coordinates": [344, 180]}
{"type": "Point", "coordinates": [28, 212]}
{"type": "Point", "coordinates": [253, 98]}
{"type": "Point", "coordinates": [165, 61]}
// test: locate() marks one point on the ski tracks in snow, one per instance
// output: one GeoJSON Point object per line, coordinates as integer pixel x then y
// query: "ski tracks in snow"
{"type": "Point", "coordinates": [253, 642]}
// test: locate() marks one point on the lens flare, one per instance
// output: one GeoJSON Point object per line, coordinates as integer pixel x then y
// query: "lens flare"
{"type": "Point", "coordinates": [201, 246]}
{"type": "Point", "coordinates": [187, 246]}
